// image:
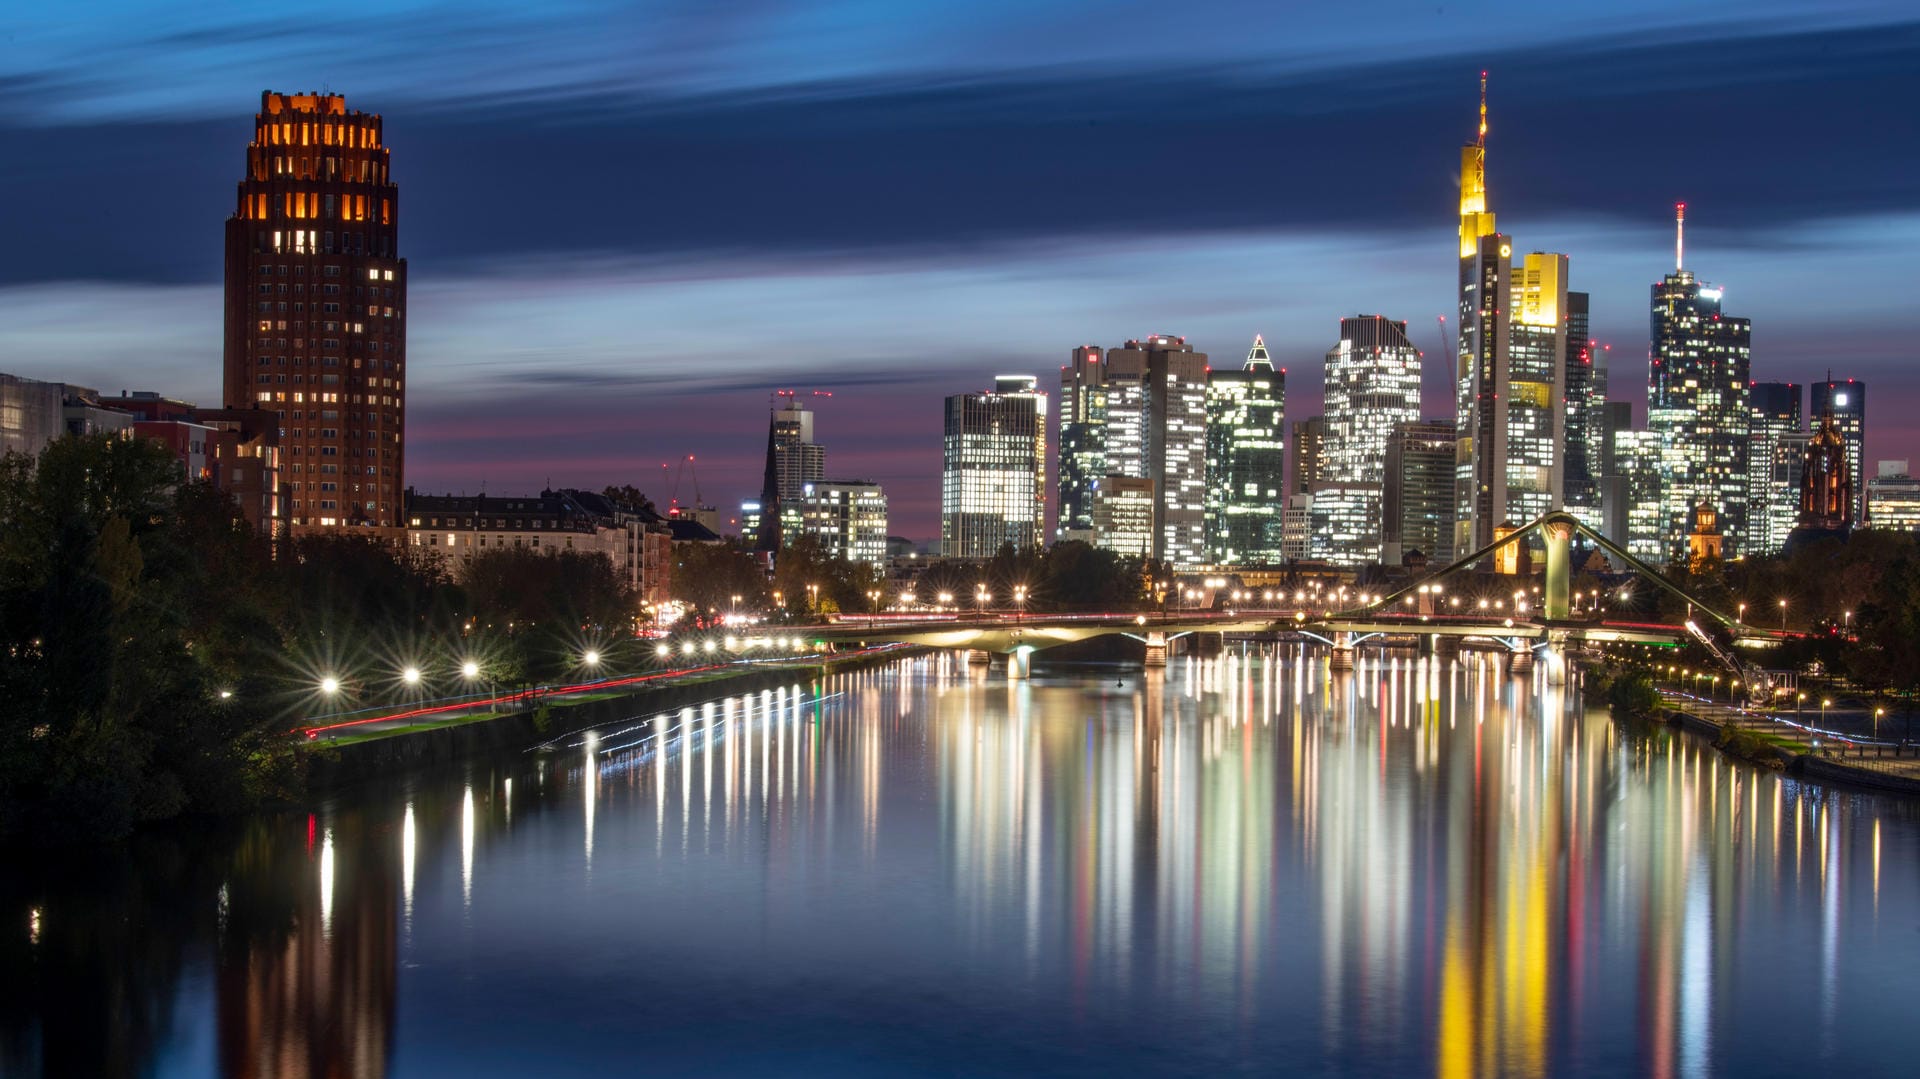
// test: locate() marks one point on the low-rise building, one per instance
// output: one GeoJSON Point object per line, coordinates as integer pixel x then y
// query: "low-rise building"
{"type": "Point", "coordinates": [636, 542]}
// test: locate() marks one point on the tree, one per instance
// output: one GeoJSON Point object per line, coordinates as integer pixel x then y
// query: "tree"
{"type": "Point", "coordinates": [706, 577]}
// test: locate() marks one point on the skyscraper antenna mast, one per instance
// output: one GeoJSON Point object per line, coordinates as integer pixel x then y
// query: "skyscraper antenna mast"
{"type": "Point", "coordinates": [1482, 142]}
{"type": "Point", "coordinates": [1679, 236]}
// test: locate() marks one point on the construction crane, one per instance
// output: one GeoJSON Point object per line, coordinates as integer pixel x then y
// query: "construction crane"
{"type": "Point", "coordinates": [790, 395]}
{"type": "Point", "coordinates": [1446, 349]}
{"type": "Point", "coordinates": [686, 471]}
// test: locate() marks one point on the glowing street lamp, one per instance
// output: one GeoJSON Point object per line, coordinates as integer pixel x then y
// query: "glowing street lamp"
{"type": "Point", "coordinates": [1783, 616]}
{"type": "Point", "coordinates": [411, 676]}
{"type": "Point", "coordinates": [470, 670]}
{"type": "Point", "coordinates": [329, 685]}
{"type": "Point", "coordinates": [591, 658]}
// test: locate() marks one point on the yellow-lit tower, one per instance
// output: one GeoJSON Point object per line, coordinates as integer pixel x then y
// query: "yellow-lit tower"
{"type": "Point", "coordinates": [1482, 364]}
{"type": "Point", "coordinates": [1510, 406]}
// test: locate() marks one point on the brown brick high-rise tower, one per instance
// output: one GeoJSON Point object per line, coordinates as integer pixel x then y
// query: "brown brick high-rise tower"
{"type": "Point", "coordinates": [316, 309]}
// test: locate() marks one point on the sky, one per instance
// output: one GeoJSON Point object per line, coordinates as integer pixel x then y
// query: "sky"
{"type": "Point", "coordinates": [628, 224]}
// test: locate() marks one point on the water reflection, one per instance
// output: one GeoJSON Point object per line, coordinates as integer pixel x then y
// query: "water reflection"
{"type": "Point", "coordinates": [1417, 867]}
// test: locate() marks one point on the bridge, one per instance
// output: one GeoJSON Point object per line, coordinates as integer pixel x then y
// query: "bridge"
{"type": "Point", "coordinates": [1421, 610]}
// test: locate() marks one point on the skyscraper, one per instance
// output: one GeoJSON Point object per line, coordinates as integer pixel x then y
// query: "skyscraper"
{"type": "Point", "coordinates": [1509, 386]}
{"type": "Point", "coordinates": [1485, 263]}
{"type": "Point", "coordinates": [1309, 457]}
{"type": "Point", "coordinates": [1773, 479]}
{"type": "Point", "coordinates": [989, 487]}
{"type": "Point", "coordinates": [1157, 429]}
{"type": "Point", "coordinates": [1697, 402]}
{"type": "Point", "coordinates": [1417, 504]}
{"type": "Point", "coordinates": [1847, 400]}
{"type": "Point", "coordinates": [1372, 386]}
{"type": "Point", "coordinates": [1246, 466]}
{"type": "Point", "coordinates": [1083, 440]}
{"type": "Point", "coordinates": [798, 459]}
{"type": "Point", "coordinates": [316, 307]}
{"type": "Point", "coordinates": [1586, 392]}
{"type": "Point", "coordinates": [1535, 398]}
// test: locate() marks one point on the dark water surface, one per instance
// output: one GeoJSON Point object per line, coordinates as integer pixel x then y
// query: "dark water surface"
{"type": "Point", "coordinates": [1240, 865]}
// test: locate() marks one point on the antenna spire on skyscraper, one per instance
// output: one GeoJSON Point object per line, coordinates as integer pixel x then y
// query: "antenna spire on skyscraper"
{"type": "Point", "coordinates": [1679, 236]}
{"type": "Point", "coordinates": [1483, 111]}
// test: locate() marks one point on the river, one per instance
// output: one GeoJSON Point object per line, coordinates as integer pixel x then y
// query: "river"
{"type": "Point", "coordinates": [1240, 864]}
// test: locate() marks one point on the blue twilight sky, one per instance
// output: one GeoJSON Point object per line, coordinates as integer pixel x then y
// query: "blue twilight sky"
{"type": "Point", "coordinates": [627, 223]}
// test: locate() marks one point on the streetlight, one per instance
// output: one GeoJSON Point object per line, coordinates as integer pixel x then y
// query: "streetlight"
{"type": "Point", "coordinates": [411, 676]}
{"type": "Point", "coordinates": [1019, 600]}
{"type": "Point", "coordinates": [329, 685]}
{"type": "Point", "coordinates": [1783, 616]}
{"type": "Point", "coordinates": [471, 670]}
{"type": "Point", "coordinates": [981, 596]}
{"type": "Point", "coordinates": [1742, 616]}
{"type": "Point", "coordinates": [873, 605]}
{"type": "Point", "coordinates": [813, 598]}
{"type": "Point", "coordinates": [1877, 713]}
{"type": "Point", "coordinates": [1848, 624]}
{"type": "Point", "coordinates": [591, 658]}
{"type": "Point", "coordinates": [946, 599]}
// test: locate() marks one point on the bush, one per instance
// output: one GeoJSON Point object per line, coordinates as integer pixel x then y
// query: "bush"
{"type": "Point", "coordinates": [1634, 693]}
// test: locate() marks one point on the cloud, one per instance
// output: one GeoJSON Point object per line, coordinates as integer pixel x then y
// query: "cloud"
{"type": "Point", "coordinates": [933, 163]}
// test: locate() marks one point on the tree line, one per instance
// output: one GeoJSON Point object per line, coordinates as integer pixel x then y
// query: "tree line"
{"type": "Point", "coordinates": [156, 651]}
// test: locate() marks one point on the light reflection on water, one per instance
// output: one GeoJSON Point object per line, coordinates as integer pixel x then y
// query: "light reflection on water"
{"type": "Point", "coordinates": [1415, 868]}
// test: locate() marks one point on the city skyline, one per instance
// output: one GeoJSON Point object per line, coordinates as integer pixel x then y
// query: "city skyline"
{"type": "Point", "coordinates": [547, 348]}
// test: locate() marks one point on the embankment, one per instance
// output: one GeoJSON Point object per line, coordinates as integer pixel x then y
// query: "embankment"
{"type": "Point", "coordinates": [330, 766]}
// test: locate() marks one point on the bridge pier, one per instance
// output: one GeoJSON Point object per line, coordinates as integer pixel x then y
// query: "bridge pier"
{"type": "Point", "coordinates": [1020, 663]}
{"type": "Point", "coordinates": [1554, 657]}
{"type": "Point", "coordinates": [1342, 658]}
{"type": "Point", "coordinates": [978, 657]}
{"type": "Point", "coordinates": [1156, 650]}
{"type": "Point", "coordinates": [1520, 661]}
{"type": "Point", "coordinates": [1441, 645]}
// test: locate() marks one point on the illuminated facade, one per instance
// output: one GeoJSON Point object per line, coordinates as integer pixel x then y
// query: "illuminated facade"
{"type": "Point", "coordinates": [1638, 456]}
{"type": "Point", "coordinates": [1585, 383]}
{"type": "Point", "coordinates": [316, 307]}
{"type": "Point", "coordinates": [1083, 441]}
{"type": "Point", "coordinates": [1156, 429]}
{"type": "Point", "coordinates": [1417, 503]}
{"type": "Point", "coordinates": [1123, 513]}
{"type": "Point", "coordinates": [991, 484]}
{"type": "Point", "coordinates": [1893, 498]}
{"type": "Point", "coordinates": [1246, 461]}
{"type": "Point", "coordinates": [1344, 527]}
{"type": "Point", "coordinates": [1773, 477]}
{"type": "Point", "coordinates": [849, 518]}
{"type": "Point", "coordinates": [1532, 402]}
{"type": "Point", "coordinates": [1848, 402]}
{"type": "Point", "coordinates": [1372, 386]}
{"type": "Point", "coordinates": [1697, 400]}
